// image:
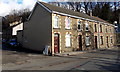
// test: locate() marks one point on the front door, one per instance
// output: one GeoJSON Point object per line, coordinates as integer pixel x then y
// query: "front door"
{"type": "Point", "coordinates": [56, 43]}
{"type": "Point", "coordinates": [96, 42]}
{"type": "Point", "coordinates": [107, 42]}
{"type": "Point", "coordinates": [80, 42]}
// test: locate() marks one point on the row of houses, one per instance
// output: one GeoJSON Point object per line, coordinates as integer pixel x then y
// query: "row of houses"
{"type": "Point", "coordinates": [62, 30]}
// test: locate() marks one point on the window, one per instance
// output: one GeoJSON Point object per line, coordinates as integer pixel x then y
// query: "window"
{"type": "Point", "coordinates": [87, 40]}
{"type": "Point", "coordinates": [100, 28]}
{"type": "Point", "coordinates": [111, 40]}
{"type": "Point", "coordinates": [86, 26]}
{"type": "Point", "coordinates": [106, 29]}
{"type": "Point", "coordinates": [95, 28]}
{"type": "Point", "coordinates": [67, 23]}
{"type": "Point", "coordinates": [56, 22]}
{"type": "Point", "coordinates": [68, 40]}
{"type": "Point", "coordinates": [110, 30]}
{"type": "Point", "coordinates": [101, 40]}
{"type": "Point", "coordinates": [79, 25]}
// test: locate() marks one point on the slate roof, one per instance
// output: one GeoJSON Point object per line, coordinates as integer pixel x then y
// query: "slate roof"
{"type": "Point", "coordinates": [71, 12]}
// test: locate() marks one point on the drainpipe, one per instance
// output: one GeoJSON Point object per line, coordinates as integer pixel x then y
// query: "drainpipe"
{"type": "Point", "coordinates": [98, 35]}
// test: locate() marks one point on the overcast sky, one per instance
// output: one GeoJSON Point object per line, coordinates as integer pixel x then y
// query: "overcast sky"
{"type": "Point", "coordinates": [7, 5]}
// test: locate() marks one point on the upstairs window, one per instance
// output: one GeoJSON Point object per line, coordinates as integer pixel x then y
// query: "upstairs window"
{"type": "Point", "coordinates": [95, 26]}
{"type": "Point", "coordinates": [56, 22]}
{"type": "Point", "coordinates": [79, 25]}
{"type": "Point", "coordinates": [67, 23]}
{"type": "Point", "coordinates": [106, 29]}
{"type": "Point", "coordinates": [86, 26]}
{"type": "Point", "coordinates": [87, 40]}
{"type": "Point", "coordinates": [110, 30]}
{"type": "Point", "coordinates": [68, 40]}
{"type": "Point", "coordinates": [100, 28]}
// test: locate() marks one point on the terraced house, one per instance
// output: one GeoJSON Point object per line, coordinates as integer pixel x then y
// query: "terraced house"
{"type": "Point", "coordinates": [64, 30]}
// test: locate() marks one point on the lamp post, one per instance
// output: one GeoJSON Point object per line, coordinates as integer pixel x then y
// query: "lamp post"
{"type": "Point", "coordinates": [116, 26]}
{"type": "Point", "coordinates": [115, 32]}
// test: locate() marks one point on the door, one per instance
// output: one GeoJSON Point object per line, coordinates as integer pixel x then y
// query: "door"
{"type": "Point", "coordinates": [96, 42]}
{"type": "Point", "coordinates": [107, 41]}
{"type": "Point", "coordinates": [80, 42]}
{"type": "Point", "coordinates": [56, 43]}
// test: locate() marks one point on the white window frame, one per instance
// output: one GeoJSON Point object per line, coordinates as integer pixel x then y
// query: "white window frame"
{"type": "Point", "coordinates": [86, 26]}
{"type": "Point", "coordinates": [68, 40]}
{"type": "Point", "coordinates": [67, 23]}
{"type": "Point", "coordinates": [87, 40]}
{"type": "Point", "coordinates": [56, 22]}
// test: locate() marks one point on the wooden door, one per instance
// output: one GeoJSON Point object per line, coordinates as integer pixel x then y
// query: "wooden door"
{"type": "Point", "coordinates": [56, 43]}
{"type": "Point", "coordinates": [107, 42]}
{"type": "Point", "coordinates": [80, 42]}
{"type": "Point", "coordinates": [96, 42]}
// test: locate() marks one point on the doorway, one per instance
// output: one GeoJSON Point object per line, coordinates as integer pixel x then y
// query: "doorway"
{"type": "Point", "coordinates": [96, 42]}
{"type": "Point", "coordinates": [107, 41]}
{"type": "Point", "coordinates": [56, 43]}
{"type": "Point", "coordinates": [80, 42]}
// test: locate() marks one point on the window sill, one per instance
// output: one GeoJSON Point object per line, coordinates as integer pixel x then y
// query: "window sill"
{"type": "Point", "coordinates": [67, 29]}
{"type": "Point", "coordinates": [86, 30]}
{"type": "Point", "coordinates": [68, 47]}
{"type": "Point", "coordinates": [87, 45]}
{"type": "Point", "coordinates": [79, 30]}
{"type": "Point", "coordinates": [56, 28]}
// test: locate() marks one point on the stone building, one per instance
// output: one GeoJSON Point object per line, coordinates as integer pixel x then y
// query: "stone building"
{"type": "Point", "coordinates": [64, 30]}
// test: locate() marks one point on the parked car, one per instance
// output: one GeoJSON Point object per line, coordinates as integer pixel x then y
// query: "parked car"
{"type": "Point", "coordinates": [4, 41]}
{"type": "Point", "coordinates": [12, 43]}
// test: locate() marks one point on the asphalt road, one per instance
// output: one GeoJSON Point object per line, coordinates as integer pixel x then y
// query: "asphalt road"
{"type": "Point", "coordinates": [107, 59]}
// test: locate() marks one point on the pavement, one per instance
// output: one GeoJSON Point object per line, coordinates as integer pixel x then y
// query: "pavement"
{"type": "Point", "coordinates": [102, 59]}
{"type": "Point", "coordinates": [79, 52]}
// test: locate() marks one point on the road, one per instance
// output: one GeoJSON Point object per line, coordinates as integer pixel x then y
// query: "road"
{"type": "Point", "coordinates": [107, 59]}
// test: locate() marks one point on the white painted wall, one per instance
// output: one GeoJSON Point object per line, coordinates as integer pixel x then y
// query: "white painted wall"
{"type": "Point", "coordinates": [16, 28]}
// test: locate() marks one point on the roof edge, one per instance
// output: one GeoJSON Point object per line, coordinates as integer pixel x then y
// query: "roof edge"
{"type": "Point", "coordinates": [38, 2]}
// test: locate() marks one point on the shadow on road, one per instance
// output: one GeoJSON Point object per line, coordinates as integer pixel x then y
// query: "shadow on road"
{"type": "Point", "coordinates": [108, 65]}
{"type": "Point", "coordinates": [19, 49]}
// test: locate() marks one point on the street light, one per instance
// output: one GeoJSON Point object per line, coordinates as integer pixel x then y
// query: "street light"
{"type": "Point", "coordinates": [116, 26]}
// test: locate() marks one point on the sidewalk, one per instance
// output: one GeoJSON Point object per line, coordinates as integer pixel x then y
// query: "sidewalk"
{"type": "Point", "coordinates": [73, 53]}
{"type": "Point", "coordinates": [79, 52]}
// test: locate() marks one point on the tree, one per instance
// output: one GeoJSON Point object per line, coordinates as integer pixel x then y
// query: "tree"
{"type": "Point", "coordinates": [97, 10]}
{"type": "Point", "coordinates": [14, 16]}
{"type": "Point", "coordinates": [24, 14]}
{"type": "Point", "coordinates": [106, 12]}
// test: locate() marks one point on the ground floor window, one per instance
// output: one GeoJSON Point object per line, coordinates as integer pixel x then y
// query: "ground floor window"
{"type": "Point", "coordinates": [111, 40]}
{"type": "Point", "coordinates": [101, 40]}
{"type": "Point", "coordinates": [68, 40]}
{"type": "Point", "coordinates": [87, 40]}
